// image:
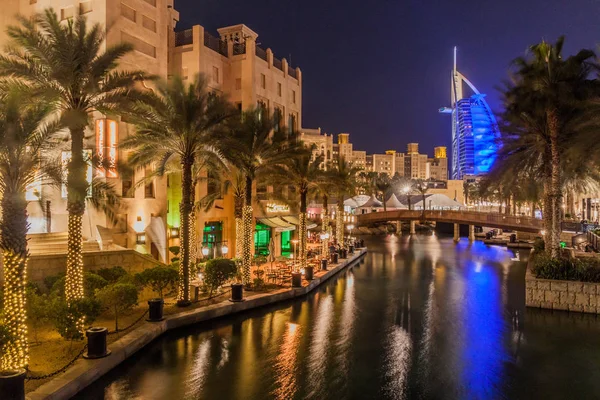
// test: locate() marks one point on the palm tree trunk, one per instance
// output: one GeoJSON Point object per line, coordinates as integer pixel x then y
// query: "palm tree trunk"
{"type": "Point", "coordinates": [239, 231]}
{"type": "Point", "coordinates": [77, 187]}
{"type": "Point", "coordinates": [339, 223]}
{"type": "Point", "coordinates": [555, 185]}
{"type": "Point", "coordinates": [325, 227]}
{"type": "Point", "coordinates": [13, 242]}
{"type": "Point", "coordinates": [248, 233]}
{"type": "Point", "coordinates": [193, 231]}
{"type": "Point", "coordinates": [302, 231]}
{"type": "Point", "coordinates": [185, 210]}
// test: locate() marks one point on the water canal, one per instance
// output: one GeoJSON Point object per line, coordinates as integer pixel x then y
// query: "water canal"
{"type": "Point", "coordinates": [420, 317]}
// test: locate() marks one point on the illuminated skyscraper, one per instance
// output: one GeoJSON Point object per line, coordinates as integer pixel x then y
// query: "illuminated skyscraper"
{"type": "Point", "coordinates": [474, 129]}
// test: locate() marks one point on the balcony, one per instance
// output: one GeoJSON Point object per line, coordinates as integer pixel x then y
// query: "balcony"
{"type": "Point", "coordinates": [215, 44]}
{"type": "Point", "coordinates": [183, 38]}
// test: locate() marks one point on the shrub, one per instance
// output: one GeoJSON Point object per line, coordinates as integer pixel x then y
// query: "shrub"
{"type": "Point", "coordinates": [118, 298]}
{"type": "Point", "coordinates": [217, 271]}
{"type": "Point", "coordinates": [65, 316]}
{"type": "Point", "coordinates": [584, 270]}
{"type": "Point", "coordinates": [50, 281]}
{"type": "Point", "coordinates": [158, 278]}
{"type": "Point", "coordinates": [91, 283]}
{"type": "Point", "coordinates": [112, 275]}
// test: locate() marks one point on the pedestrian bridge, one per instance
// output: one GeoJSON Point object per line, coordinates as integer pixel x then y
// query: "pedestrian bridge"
{"type": "Point", "coordinates": [474, 218]}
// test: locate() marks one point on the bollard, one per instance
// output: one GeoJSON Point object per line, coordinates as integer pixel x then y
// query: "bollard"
{"type": "Point", "coordinates": [351, 249]}
{"type": "Point", "coordinates": [296, 279]}
{"type": "Point", "coordinates": [324, 264]}
{"type": "Point", "coordinates": [96, 347]}
{"type": "Point", "coordinates": [309, 273]}
{"type": "Point", "coordinates": [334, 258]}
{"type": "Point", "coordinates": [12, 384]}
{"type": "Point", "coordinates": [155, 310]}
{"type": "Point", "coordinates": [237, 292]}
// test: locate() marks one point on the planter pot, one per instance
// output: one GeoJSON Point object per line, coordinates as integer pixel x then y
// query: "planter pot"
{"type": "Point", "coordinates": [96, 347]}
{"type": "Point", "coordinates": [324, 264]}
{"type": "Point", "coordinates": [344, 253]}
{"type": "Point", "coordinates": [351, 249]}
{"type": "Point", "coordinates": [155, 310]}
{"type": "Point", "coordinates": [12, 384]}
{"type": "Point", "coordinates": [237, 292]}
{"type": "Point", "coordinates": [334, 258]}
{"type": "Point", "coordinates": [296, 279]}
{"type": "Point", "coordinates": [309, 273]}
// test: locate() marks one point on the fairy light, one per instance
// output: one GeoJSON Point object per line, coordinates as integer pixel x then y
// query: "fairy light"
{"type": "Point", "coordinates": [302, 234]}
{"type": "Point", "coordinates": [246, 243]}
{"type": "Point", "coordinates": [239, 235]}
{"type": "Point", "coordinates": [74, 279]}
{"type": "Point", "coordinates": [193, 238]}
{"type": "Point", "coordinates": [325, 230]}
{"type": "Point", "coordinates": [183, 251]}
{"type": "Point", "coordinates": [339, 227]}
{"type": "Point", "coordinates": [16, 352]}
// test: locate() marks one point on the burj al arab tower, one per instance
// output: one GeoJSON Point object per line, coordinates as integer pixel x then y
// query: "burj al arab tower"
{"type": "Point", "coordinates": [474, 129]}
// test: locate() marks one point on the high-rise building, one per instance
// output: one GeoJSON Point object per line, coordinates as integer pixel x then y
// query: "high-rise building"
{"type": "Point", "coordinates": [474, 129]}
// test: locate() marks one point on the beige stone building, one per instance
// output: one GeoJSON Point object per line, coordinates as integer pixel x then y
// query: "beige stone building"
{"type": "Point", "coordinates": [249, 76]}
{"type": "Point", "coordinates": [322, 144]}
{"type": "Point", "coordinates": [147, 25]}
{"type": "Point", "coordinates": [438, 165]}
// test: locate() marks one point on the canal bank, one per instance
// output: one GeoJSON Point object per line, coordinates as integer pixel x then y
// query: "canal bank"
{"type": "Point", "coordinates": [84, 371]}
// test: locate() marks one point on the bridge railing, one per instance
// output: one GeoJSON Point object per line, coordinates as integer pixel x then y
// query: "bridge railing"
{"type": "Point", "coordinates": [465, 217]}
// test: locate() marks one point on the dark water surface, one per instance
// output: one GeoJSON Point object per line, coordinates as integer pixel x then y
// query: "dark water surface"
{"type": "Point", "coordinates": [419, 318]}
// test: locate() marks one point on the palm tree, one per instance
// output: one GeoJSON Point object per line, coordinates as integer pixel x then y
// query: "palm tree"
{"type": "Point", "coordinates": [179, 125]}
{"type": "Point", "coordinates": [64, 63]}
{"type": "Point", "coordinates": [302, 173]}
{"type": "Point", "coordinates": [323, 188]}
{"type": "Point", "coordinates": [383, 184]}
{"type": "Point", "coordinates": [421, 186]}
{"type": "Point", "coordinates": [23, 135]}
{"type": "Point", "coordinates": [548, 111]}
{"type": "Point", "coordinates": [258, 148]}
{"type": "Point", "coordinates": [343, 179]}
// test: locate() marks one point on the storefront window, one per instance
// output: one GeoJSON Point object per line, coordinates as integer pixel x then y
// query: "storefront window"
{"type": "Point", "coordinates": [262, 237]}
{"type": "Point", "coordinates": [212, 239]}
{"type": "Point", "coordinates": [286, 246]}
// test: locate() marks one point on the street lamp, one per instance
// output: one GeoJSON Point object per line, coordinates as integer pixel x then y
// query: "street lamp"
{"type": "Point", "coordinates": [224, 249]}
{"type": "Point", "coordinates": [205, 251]}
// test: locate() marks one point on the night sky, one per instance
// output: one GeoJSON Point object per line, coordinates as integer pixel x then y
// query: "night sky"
{"type": "Point", "coordinates": [380, 69]}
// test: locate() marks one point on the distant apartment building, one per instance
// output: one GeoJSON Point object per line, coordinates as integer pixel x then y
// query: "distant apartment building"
{"type": "Point", "coordinates": [411, 164]}
{"type": "Point", "coordinates": [343, 148]}
{"type": "Point", "coordinates": [438, 165]}
{"type": "Point", "coordinates": [148, 25]}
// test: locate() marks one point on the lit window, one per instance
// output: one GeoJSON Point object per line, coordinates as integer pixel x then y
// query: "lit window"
{"type": "Point", "coordinates": [107, 136]}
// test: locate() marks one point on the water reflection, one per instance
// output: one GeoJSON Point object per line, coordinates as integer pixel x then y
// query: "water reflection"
{"type": "Point", "coordinates": [421, 317]}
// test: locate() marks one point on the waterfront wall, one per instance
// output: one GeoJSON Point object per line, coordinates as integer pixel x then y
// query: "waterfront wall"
{"type": "Point", "coordinates": [562, 295]}
{"type": "Point", "coordinates": [41, 266]}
